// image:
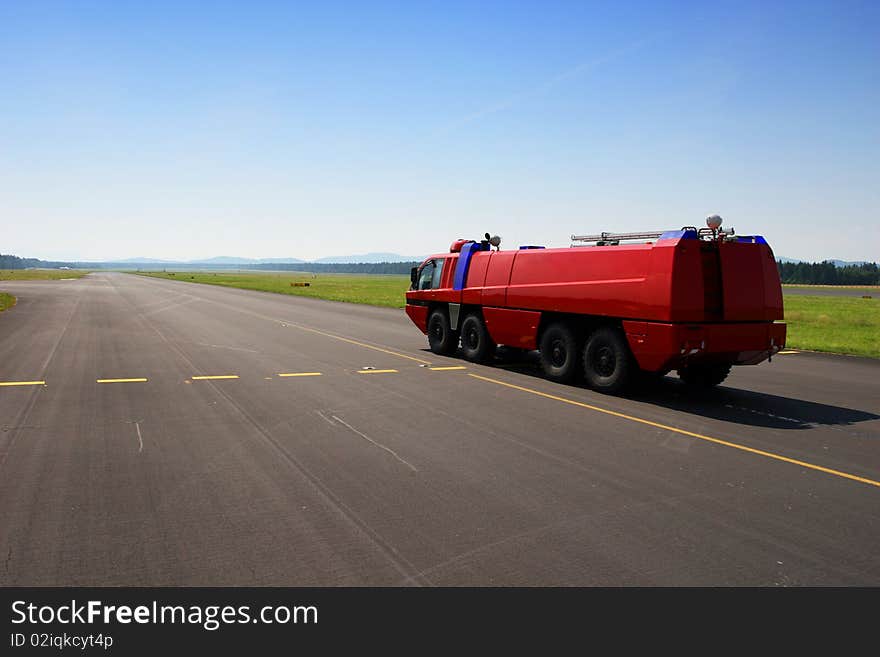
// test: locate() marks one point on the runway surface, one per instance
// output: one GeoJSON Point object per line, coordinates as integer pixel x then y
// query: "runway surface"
{"type": "Point", "coordinates": [379, 465]}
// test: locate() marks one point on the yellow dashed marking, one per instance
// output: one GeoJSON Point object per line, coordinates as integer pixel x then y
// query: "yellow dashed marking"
{"type": "Point", "coordinates": [120, 380]}
{"type": "Point", "coordinates": [216, 376]}
{"type": "Point", "coordinates": [789, 352]}
{"type": "Point", "coordinates": [376, 371]}
{"type": "Point", "coordinates": [359, 344]}
{"type": "Point", "coordinates": [22, 383]}
{"type": "Point", "coordinates": [301, 374]}
{"type": "Point", "coordinates": [717, 441]}
{"type": "Point", "coordinates": [447, 369]}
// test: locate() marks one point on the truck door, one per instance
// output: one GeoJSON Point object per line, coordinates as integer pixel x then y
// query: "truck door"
{"type": "Point", "coordinates": [431, 279]}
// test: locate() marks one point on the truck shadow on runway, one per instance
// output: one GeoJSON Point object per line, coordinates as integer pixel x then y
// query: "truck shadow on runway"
{"type": "Point", "coordinates": [726, 403]}
{"type": "Point", "coordinates": [748, 407]}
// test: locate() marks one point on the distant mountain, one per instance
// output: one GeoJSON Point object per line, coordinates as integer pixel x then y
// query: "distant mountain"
{"type": "Point", "coordinates": [848, 263]}
{"type": "Point", "coordinates": [368, 257]}
{"type": "Point", "coordinates": [170, 262]}
{"type": "Point", "coordinates": [223, 260]}
{"type": "Point", "coordinates": [235, 260]}
{"type": "Point", "coordinates": [279, 260]}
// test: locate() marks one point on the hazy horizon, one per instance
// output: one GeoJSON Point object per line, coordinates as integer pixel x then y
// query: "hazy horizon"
{"type": "Point", "coordinates": [274, 130]}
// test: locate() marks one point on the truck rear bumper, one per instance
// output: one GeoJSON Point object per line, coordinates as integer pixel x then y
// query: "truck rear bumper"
{"type": "Point", "coordinates": [661, 347]}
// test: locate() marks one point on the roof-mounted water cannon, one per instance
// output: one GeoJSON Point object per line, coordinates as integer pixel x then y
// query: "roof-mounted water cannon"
{"type": "Point", "coordinates": [713, 221]}
{"type": "Point", "coordinates": [485, 244]}
{"type": "Point", "coordinates": [713, 231]}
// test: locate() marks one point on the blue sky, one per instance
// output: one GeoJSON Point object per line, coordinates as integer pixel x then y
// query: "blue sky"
{"type": "Point", "coordinates": [262, 129]}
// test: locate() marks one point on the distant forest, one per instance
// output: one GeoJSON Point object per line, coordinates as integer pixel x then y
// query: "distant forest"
{"type": "Point", "coordinates": [14, 262]}
{"type": "Point", "coordinates": [808, 273]}
{"type": "Point", "coordinates": [827, 273]}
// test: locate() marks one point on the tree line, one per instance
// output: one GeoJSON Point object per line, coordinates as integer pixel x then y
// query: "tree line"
{"type": "Point", "coordinates": [805, 273]}
{"type": "Point", "coordinates": [827, 273]}
{"type": "Point", "coordinates": [14, 262]}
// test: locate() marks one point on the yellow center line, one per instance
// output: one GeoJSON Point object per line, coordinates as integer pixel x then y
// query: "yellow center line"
{"type": "Point", "coordinates": [359, 344]}
{"type": "Point", "coordinates": [377, 371]}
{"type": "Point", "coordinates": [301, 374]}
{"type": "Point", "coordinates": [683, 432]}
{"type": "Point", "coordinates": [22, 383]}
{"type": "Point", "coordinates": [216, 376]}
{"type": "Point", "coordinates": [447, 369]}
{"type": "Point", "coordinates": [120, 380]}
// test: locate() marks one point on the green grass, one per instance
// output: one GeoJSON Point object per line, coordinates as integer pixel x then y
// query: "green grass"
{"type": "Point", "coordinates": [6, 301]}
{"type": "Point", "coordinates": [40, 274]}
{"type": "Point", "coordinates": [843, 325]}
{"type": "Point", "coordinates": [372, 289]}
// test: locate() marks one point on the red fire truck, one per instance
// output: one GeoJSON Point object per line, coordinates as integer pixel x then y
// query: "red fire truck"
{"type": "Point", "coordinates": [615, 307]}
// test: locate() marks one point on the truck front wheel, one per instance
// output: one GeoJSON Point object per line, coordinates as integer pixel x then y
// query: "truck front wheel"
{"type": "Point", "coordinates": [608, 365]}
{"type": "Point", "coordinates": [704, 376]}
{"type": "Point", "coordinates": [559, 353]}
{"type": "Point", "coordinates": [476, 344]}
{"type": "Point", "coordinates": [441, 338]}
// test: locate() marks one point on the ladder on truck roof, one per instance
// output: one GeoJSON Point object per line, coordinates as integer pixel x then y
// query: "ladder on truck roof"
{"type": "Point", "coordinates": [617, 237]}
{"type": "Point", "coordinates": [608, 239]}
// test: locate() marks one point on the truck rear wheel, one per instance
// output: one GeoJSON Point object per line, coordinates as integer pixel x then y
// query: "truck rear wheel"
{"type": "Point", "coordinates": [476, 344]}
{"type": "Point", "coordinates": [608, 365]}
{"type": "Point", "coordinates": [704, 376]}
{"type": "Point", "coordinates": [559, 353]}
{"type": "Point", "coordinates": [441, 338]}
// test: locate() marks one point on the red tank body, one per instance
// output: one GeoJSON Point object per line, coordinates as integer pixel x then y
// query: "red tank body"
{"type": "Point", "coordinates": [680, 301]}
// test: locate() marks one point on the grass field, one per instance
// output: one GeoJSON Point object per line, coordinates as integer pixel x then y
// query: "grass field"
{"type": "Point", "coordinates": [371, 289]}
{"type": "Point", "coordinates": [6, 301]}
{"type": "Point", "coordinates": [40, 274]}
{"type": "Point", "coordinates": [843, 325]}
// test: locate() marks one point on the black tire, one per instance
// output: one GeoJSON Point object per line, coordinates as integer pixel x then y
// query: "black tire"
{"type": "Point", "coordinates": [441, 339]}
{"type": "Point", "coordinates": [608, 363]}
{"type": "Point", "coordinates": [704, 376]}
{"type": "Point", "coordinates": [476, 344]}
{"type": "Point", "coordinates": [559, 353]}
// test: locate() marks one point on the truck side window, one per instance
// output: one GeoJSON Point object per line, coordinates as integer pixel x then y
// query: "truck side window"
{"type": "Point", "coordinates": [438, 274]}
{"type": "Point", "coordinates": [431, 274]}
{"type": "Point", "coordinates": [426, 275]}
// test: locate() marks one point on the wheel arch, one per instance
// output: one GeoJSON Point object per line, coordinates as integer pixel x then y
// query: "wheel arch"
{"type": "Point", "coordinates": [582, 325]}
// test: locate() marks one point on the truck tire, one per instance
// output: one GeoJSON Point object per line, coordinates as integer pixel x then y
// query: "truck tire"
{"type": "Point", "coordinates": [442, 339]}
{"type": "Point", "coordinates": [476, 343]}
{"type": "Point", "coordinates": [608, 364]}
{"type": "Point", "coordinates": [559, 353]}
{"type": "Point", "coordinates": [704, 376]}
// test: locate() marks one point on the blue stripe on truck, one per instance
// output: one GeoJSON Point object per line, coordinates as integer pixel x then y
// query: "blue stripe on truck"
{"type": "Point", "coordinates": [464, 261]}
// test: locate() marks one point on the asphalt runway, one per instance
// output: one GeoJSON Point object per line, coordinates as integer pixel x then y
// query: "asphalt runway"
{"type": "Point", "coordinates": [374, 463]}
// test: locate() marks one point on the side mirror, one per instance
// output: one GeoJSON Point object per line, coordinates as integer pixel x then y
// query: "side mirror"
{"type": "Point", "coordinates": [413, 277]}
